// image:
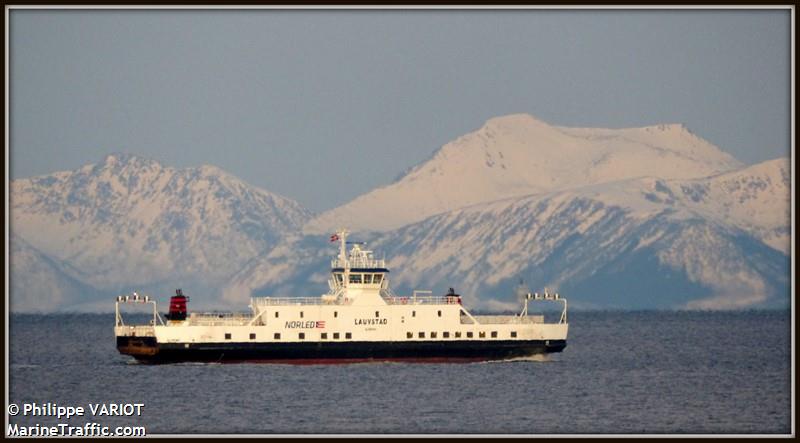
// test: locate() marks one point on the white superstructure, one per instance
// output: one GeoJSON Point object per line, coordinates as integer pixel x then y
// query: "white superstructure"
{"type": "Point", "coordinates": [359, 308]}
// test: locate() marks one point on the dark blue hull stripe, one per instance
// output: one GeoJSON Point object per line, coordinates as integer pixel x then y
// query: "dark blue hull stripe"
{"type": "Point", "coordinates": [146, 349]}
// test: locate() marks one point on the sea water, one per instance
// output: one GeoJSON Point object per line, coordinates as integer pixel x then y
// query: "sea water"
{"type": "Point", "coordinates": [643, 372]}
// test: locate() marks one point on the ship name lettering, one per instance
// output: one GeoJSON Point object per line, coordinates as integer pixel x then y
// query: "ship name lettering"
{"type": "Point", "coordinates": [371, 321]}
{"type": "Point", "coordinates": [296, 324]}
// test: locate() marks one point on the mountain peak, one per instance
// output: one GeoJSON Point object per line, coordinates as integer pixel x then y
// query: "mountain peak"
{"type": "Point", "coordinates": [516, 155]}
{"type": "Point", "coordinates": [512, 120]}
{"type": "Point", "coordinates": [669, 127]}
{"type": "Point", "coordinates": [211, 170]}
{"type": "Point", "coordinates": [123, 159]}
{"type": "Point", "coordinates": [120, 157]}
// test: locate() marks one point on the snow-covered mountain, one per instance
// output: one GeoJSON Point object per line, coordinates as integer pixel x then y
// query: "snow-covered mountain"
{"type": "Point", "coordinates": [636, 243]}
{"type": "Point", "coordinates": [755, 199]}
{"type": "Point", "coordinates": [131, 222]}
{"type": "Point", "coordinates": [612, 218]}
{"type": "Point", "coordinates": [518, 155]}
{"type": "Point", "coordinates": [40, 283]}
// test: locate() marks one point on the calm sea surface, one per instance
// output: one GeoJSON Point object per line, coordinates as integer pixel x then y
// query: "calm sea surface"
{"type": "Point", "coordinates": [622, 372]}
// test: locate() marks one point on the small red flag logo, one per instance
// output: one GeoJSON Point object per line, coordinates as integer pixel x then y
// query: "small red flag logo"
{"type": "Point", "coordinates": [320, 324]}
{"type": "Point", "coordinates": [334, 237]}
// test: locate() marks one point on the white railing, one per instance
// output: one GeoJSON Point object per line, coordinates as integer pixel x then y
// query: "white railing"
{"type": "Point", "coordinates": [136, 331]}
{"type": "Point", "coordinates": [427, 300]}
{"type": "Point", "coordinates": [282, 301]}
{"type": "Point", "coordinates": [358, 262]}
{"type": "Point", "coordinates": [219, 319]}
{"type": "Point", "coordinates": [508, 319]}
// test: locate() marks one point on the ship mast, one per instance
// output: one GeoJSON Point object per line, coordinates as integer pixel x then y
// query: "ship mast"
{"type": "Point", "coordinates": [343, 255]}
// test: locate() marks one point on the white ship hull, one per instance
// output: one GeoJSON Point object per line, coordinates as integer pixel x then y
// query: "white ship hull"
{"type": "Point", "coordinates": [360, 319]}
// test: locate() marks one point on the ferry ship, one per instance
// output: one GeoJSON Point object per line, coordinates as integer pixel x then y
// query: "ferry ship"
{"type": "Point", "coordinates": [359, 319]}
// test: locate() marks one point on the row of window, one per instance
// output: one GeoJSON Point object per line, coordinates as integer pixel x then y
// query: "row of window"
{"type": "Point", "coordinates": [348, 335]}
{"type": "Point", "coordinates": [377, 314]}
{"type": "Point", "coordinates": [335, 314]}
{"type": "Point", "coordinates": [481, 334]}
{"type": "Point", "coordinates": [362, 278]}
{"type": "Point", "coordinates": [300, 335]}
{"type": "Point", "coordinates": [414, 313]}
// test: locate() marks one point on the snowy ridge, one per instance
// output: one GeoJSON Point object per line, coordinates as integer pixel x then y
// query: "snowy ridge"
{"type": "Point", "coordinates": [641, 242]}
{"type": "Point", "coordinates": [652, 217]}
{"type": "Point", "coordinates": [128, 221]}
{"type": "Point", "coordinates": [755, 199]}
{"type": "Point", "coordinates": [518, 155]}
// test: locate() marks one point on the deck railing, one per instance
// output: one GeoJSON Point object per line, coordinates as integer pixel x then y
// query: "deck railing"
{"type": "Point", "coordinates": [508, 319]}
{"type": "Point", "coordinates": [359, 262]}
{"type": "Point", "coordinates": [282, 301]}
{"type": "Point", "coordinates": [220, 319]}
{"type": "Point", "coordinates": [135, 331]}
{"type": "Point", "coordinates": [423, 300]}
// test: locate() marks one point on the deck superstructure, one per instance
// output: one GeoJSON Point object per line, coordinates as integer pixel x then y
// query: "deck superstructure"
{"type": "Point", "coordinates": [358, 319]}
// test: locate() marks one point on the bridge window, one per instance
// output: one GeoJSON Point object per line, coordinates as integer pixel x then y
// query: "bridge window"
{"type": "Point", "coordinates": [338, 277]}
{"type": "Point", "coordinates": [513, 334]}
{"type": "Point", "coordinates": [277, 336]}
{"type": "Point", "coordinates": [301, 336]}
{"type": "Point", "coordinates": [227, 336]}
{"type": "Point", "coordinates": [355, 278]}
{"type": "Point", "coordinates": [348, 335]}
{"type": "Point", "coordinates": [377, 278]}
{"type": "Point", "coordinates": [252, 336]}
{"type": "Point", "coordinates": [335, 335]}
{"type": "Point", "coordinates": [367, 278]}
{"type": "Point", "coordinates": [494, 334]}
{"type": "Point", "coordinates": [409, 335]}
{"type": "Point", "coordinates": [324, 336]}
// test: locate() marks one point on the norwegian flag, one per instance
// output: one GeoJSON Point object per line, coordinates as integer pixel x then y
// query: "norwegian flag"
{"type": "Point", "coordinates": [334, 237]}
{"type": "Point", "coordinates": [320, 324]}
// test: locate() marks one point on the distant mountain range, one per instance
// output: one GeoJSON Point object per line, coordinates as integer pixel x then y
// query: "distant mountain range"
{"type": "Point", "coordinates": [129, 223]}
{"type": "Point", "coordinates": [652, 217]}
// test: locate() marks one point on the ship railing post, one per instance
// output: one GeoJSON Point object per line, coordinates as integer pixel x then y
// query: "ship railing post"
{"type": "Point", "coordinates": [257, 317]}
{"type": "Point", "coordinates": [474, 320]}
{"type": "Point", "coordinates": [564, 312]}
{"type": "Point", "coordinates": [117, 318]}
{"type": "Point", "coordinates": [524, 312]}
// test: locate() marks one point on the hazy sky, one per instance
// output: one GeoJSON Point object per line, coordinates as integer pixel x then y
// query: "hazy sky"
{"type": "Point", "coordinates": [321, 106]}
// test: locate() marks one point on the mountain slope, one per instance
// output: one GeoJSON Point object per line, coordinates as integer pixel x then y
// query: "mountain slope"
{"type": "Point", "coordinates": [637, 243]}
{"type": "Point", "coordinates": [518, 155]}
{"type": "Point", "coordinates": [42, 284]}
{"type": "Point", "coordinates": [129, 221]}
{"type": "Point", "coordinates": [755, 199]}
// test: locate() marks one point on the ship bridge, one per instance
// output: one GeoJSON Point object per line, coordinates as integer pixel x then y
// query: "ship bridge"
{"type": "Point", "coordinates": [357, 277]}
{"type": "Point", "coordinates": [360, 268]}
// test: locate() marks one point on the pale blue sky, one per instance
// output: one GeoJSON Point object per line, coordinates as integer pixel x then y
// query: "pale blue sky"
{"type": "Point", "coordinates": [321, 106]}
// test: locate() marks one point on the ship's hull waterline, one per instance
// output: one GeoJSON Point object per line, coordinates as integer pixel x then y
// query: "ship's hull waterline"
{"type": "Point", "coordinates": [147, 350]}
